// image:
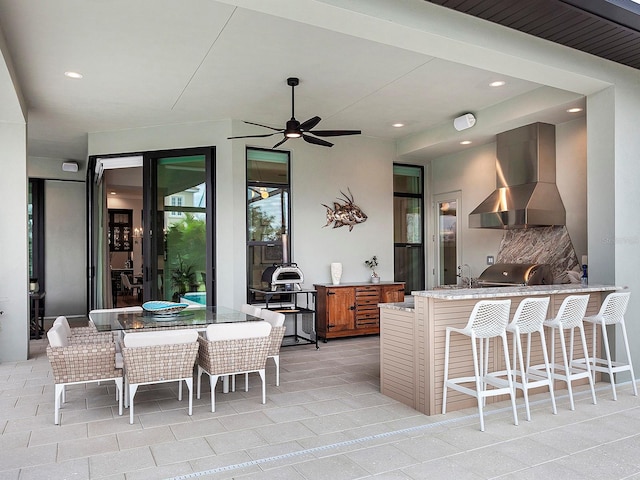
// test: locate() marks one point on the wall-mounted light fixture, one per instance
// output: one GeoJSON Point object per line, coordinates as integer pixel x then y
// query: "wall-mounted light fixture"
{"type": "Point", "coordinates": [70, 167]}
{"type": "Point", "coordinates": [465, 121]}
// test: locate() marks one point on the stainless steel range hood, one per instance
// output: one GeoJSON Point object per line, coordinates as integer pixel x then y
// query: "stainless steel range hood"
{"type": "Point", "coordinates": [526, 193]}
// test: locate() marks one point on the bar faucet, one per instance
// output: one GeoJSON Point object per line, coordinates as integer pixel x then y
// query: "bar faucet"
{"type": "Point", "coordinates": [461, 271]}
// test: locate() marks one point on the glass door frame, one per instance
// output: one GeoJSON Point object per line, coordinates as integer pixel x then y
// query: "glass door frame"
{"type": "Point", "coordinates": [437, 201]}
{"type": "Point", "coordinates": [149, 244]}
{"type": "Point", "coordinates": [95, 298]}
{"type": "Point", "coordinates": [421, 245]}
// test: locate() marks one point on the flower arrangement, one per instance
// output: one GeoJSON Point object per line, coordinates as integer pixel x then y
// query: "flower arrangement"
{"type": "Point", "coordinates": [372, 263]}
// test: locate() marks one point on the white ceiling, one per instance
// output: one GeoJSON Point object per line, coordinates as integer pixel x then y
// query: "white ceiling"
{"type": "Point", "coordinates": [155, 62]}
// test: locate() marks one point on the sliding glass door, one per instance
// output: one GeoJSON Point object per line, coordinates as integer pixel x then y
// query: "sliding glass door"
{"type": "Point", "coordinates": [171, 227]}
{"type": "Point", "coordinates": [179, 231]}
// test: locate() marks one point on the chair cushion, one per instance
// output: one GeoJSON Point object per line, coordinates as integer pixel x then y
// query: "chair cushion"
{"type": "Point", "coordinates": [160, 337]}
{"type": "Point", "coordinates": [234, 331]}
{"type": "Point", "coordinates": [250, 310]}
{"type": "Point", "coordinates": [276, 319]}
{"type": "Point", "coordinates": [64, 323]}
{"type": "Point", "coordinates": [57, 336]}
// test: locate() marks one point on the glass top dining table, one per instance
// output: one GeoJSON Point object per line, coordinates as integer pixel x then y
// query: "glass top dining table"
{"type": "Point", "coordinates": [198, 317]}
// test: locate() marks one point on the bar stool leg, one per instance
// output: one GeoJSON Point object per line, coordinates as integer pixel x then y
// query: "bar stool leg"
{"type": "Point", "coordinates": [585, 352]}
{"type": "Point", "coordinates": [512, 390]}
{"type": "Point", "coordinates": [626, 346]}
{"type": "Point", "coordinates": [605, 341]}
{"type": "Point", "coordinates": [523, 371]}
{"type": "Point", "coordinates": [446, 371]}
{"type": "Point", "coordinates": [567, 372]}
{"type": "Point", "coordinates": [479, 384]}
{"type": "Point", "coordinates": [545, 356]}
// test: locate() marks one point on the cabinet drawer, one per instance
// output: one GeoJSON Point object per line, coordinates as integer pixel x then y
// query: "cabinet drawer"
{"type": "Point", "coordinates": [367, 322]}
{"type": "Point", "coordinates": [367, 291]}
{"type": "Point", "coordinates": [367, 307]}
{"type": "Point", "coordinates": [368, 301]}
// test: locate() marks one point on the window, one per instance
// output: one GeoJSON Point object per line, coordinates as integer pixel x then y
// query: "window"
{"type": "Point", "coordinates": [408, 227]}
{"type": "Point", "coordinates": [176, 201]}
{"type": "Point", "coordinates": [268, 214]}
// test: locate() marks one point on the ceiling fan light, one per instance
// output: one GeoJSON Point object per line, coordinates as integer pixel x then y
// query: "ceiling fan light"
{"type": "Point", "coordinates": [292, 129]}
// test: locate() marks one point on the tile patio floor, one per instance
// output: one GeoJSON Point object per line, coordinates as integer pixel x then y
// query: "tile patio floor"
{"type": "Point", "coordinates": [327, 420]}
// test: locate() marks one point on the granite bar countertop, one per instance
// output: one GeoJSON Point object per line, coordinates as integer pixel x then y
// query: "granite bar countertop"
{"type": "Point", "coordinates": [462, 293]}
{"type": "Point", "coordinates": [516, 291]}
{"type": "Point", "coordinates": [407, 306]}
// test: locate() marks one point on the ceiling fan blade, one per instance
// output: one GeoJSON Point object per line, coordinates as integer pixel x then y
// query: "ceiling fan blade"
{"type": "Point", "coordinates": [316, 141]}
{"type": "Point", "coordinates": [265, 126]}
{"type": "Point", "coordinates": [309, 124]}
{"type": "Point", "coordinates": [254, 136]}
{"type": "Point", "coordinates": [280, 142]}
{"type": "Point", "coordinates": [335, 133]}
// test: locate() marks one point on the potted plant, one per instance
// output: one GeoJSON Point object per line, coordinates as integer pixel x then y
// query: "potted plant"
{"type": "Point", "coordinates": [372, 263]}
{"type": "Point", "coordinates": [182, 277]}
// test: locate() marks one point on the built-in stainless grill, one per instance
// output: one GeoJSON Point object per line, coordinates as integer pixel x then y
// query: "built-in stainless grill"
{"type": "Point", "coordinates": [512, 274]}
{"type": "Point", "coordinates": [284, 276]}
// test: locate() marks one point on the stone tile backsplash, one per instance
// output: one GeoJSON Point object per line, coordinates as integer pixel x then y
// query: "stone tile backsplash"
{"type": "Point", "coordinates": [550, 245]}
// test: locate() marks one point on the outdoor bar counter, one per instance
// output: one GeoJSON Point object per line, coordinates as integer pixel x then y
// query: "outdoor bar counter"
{"type": "Point", "coordinates": [412, 338]}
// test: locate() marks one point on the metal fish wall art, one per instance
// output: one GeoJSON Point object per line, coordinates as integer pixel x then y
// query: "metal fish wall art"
{"type": "Point", "coordinates": [344, 212]}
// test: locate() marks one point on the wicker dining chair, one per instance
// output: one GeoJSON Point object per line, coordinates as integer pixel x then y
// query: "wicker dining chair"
{"type": "Point", "coordinates": [255, 311]}
{"type": "Point", "coordinates": [276, 319]}
{"type": "Point", "coordinates": [90, 328]}
{"type": "Point", "coordinates": [250, 309]}
{"type": "Point", "coordinates": [83, 334]}
{"type": "Point", "coordinates": [159, 357]}
{"type": "Point", "coordinates": [80, 363]}
{"type": "Point", "coordinates": [233, 348]}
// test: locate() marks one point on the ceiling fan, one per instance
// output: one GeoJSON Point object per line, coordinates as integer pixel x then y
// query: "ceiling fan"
{"type": "Point", "coordinates": [295, 129]}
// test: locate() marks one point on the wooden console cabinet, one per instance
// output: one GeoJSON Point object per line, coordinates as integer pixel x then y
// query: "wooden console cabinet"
{"type": "Point", "coordinates": [352, 308]}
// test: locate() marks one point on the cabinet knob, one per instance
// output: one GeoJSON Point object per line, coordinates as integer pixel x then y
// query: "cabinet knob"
{"type": "Point", "coordinates": [352, 307]}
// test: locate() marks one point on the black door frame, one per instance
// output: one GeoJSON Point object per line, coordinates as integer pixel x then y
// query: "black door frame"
{"type": "Point", "coordinates": [149, 191]}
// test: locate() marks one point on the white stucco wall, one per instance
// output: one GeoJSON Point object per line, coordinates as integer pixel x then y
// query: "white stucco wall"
{"type": "Point", "coordinates": [65, 248]}
{"type": "Point", "coordinates": [363, 165]}
{"type": "Point", "coordinates": [14, 280]}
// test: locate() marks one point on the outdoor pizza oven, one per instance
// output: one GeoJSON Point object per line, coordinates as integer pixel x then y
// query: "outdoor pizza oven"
{"type": "Point", "coordinates": [514, 274]}
{"type": "Point", "coordinates": [284, 276]}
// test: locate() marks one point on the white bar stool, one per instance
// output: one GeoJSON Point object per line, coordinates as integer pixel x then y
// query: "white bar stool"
{"type": "Point", "coordinates": [488, 320]}
{"type": "Point", "coordinates": [528, 319]}
{"type": "Point", "coordinates": [611, 313]}
{"type": "Point", "coordinates": [570, 317]}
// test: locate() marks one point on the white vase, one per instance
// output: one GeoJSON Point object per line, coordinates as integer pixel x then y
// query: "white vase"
{"type": "Point", "coordinates": [336, 273]}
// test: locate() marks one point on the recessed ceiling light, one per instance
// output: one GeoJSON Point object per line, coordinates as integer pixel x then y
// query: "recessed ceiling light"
{"type": "Point", "coordinates": [498, 83]}
{"type": "Point", "coordinates": [112, 193]}
{"type": "Point", "coordinates": [398, 125]}
{"type": "Point", "coordinates": [73, 74]}
{"type": "Point", "coordinates": [574, 110]}
{"type": "Point", "coordinates": [465, 142]}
